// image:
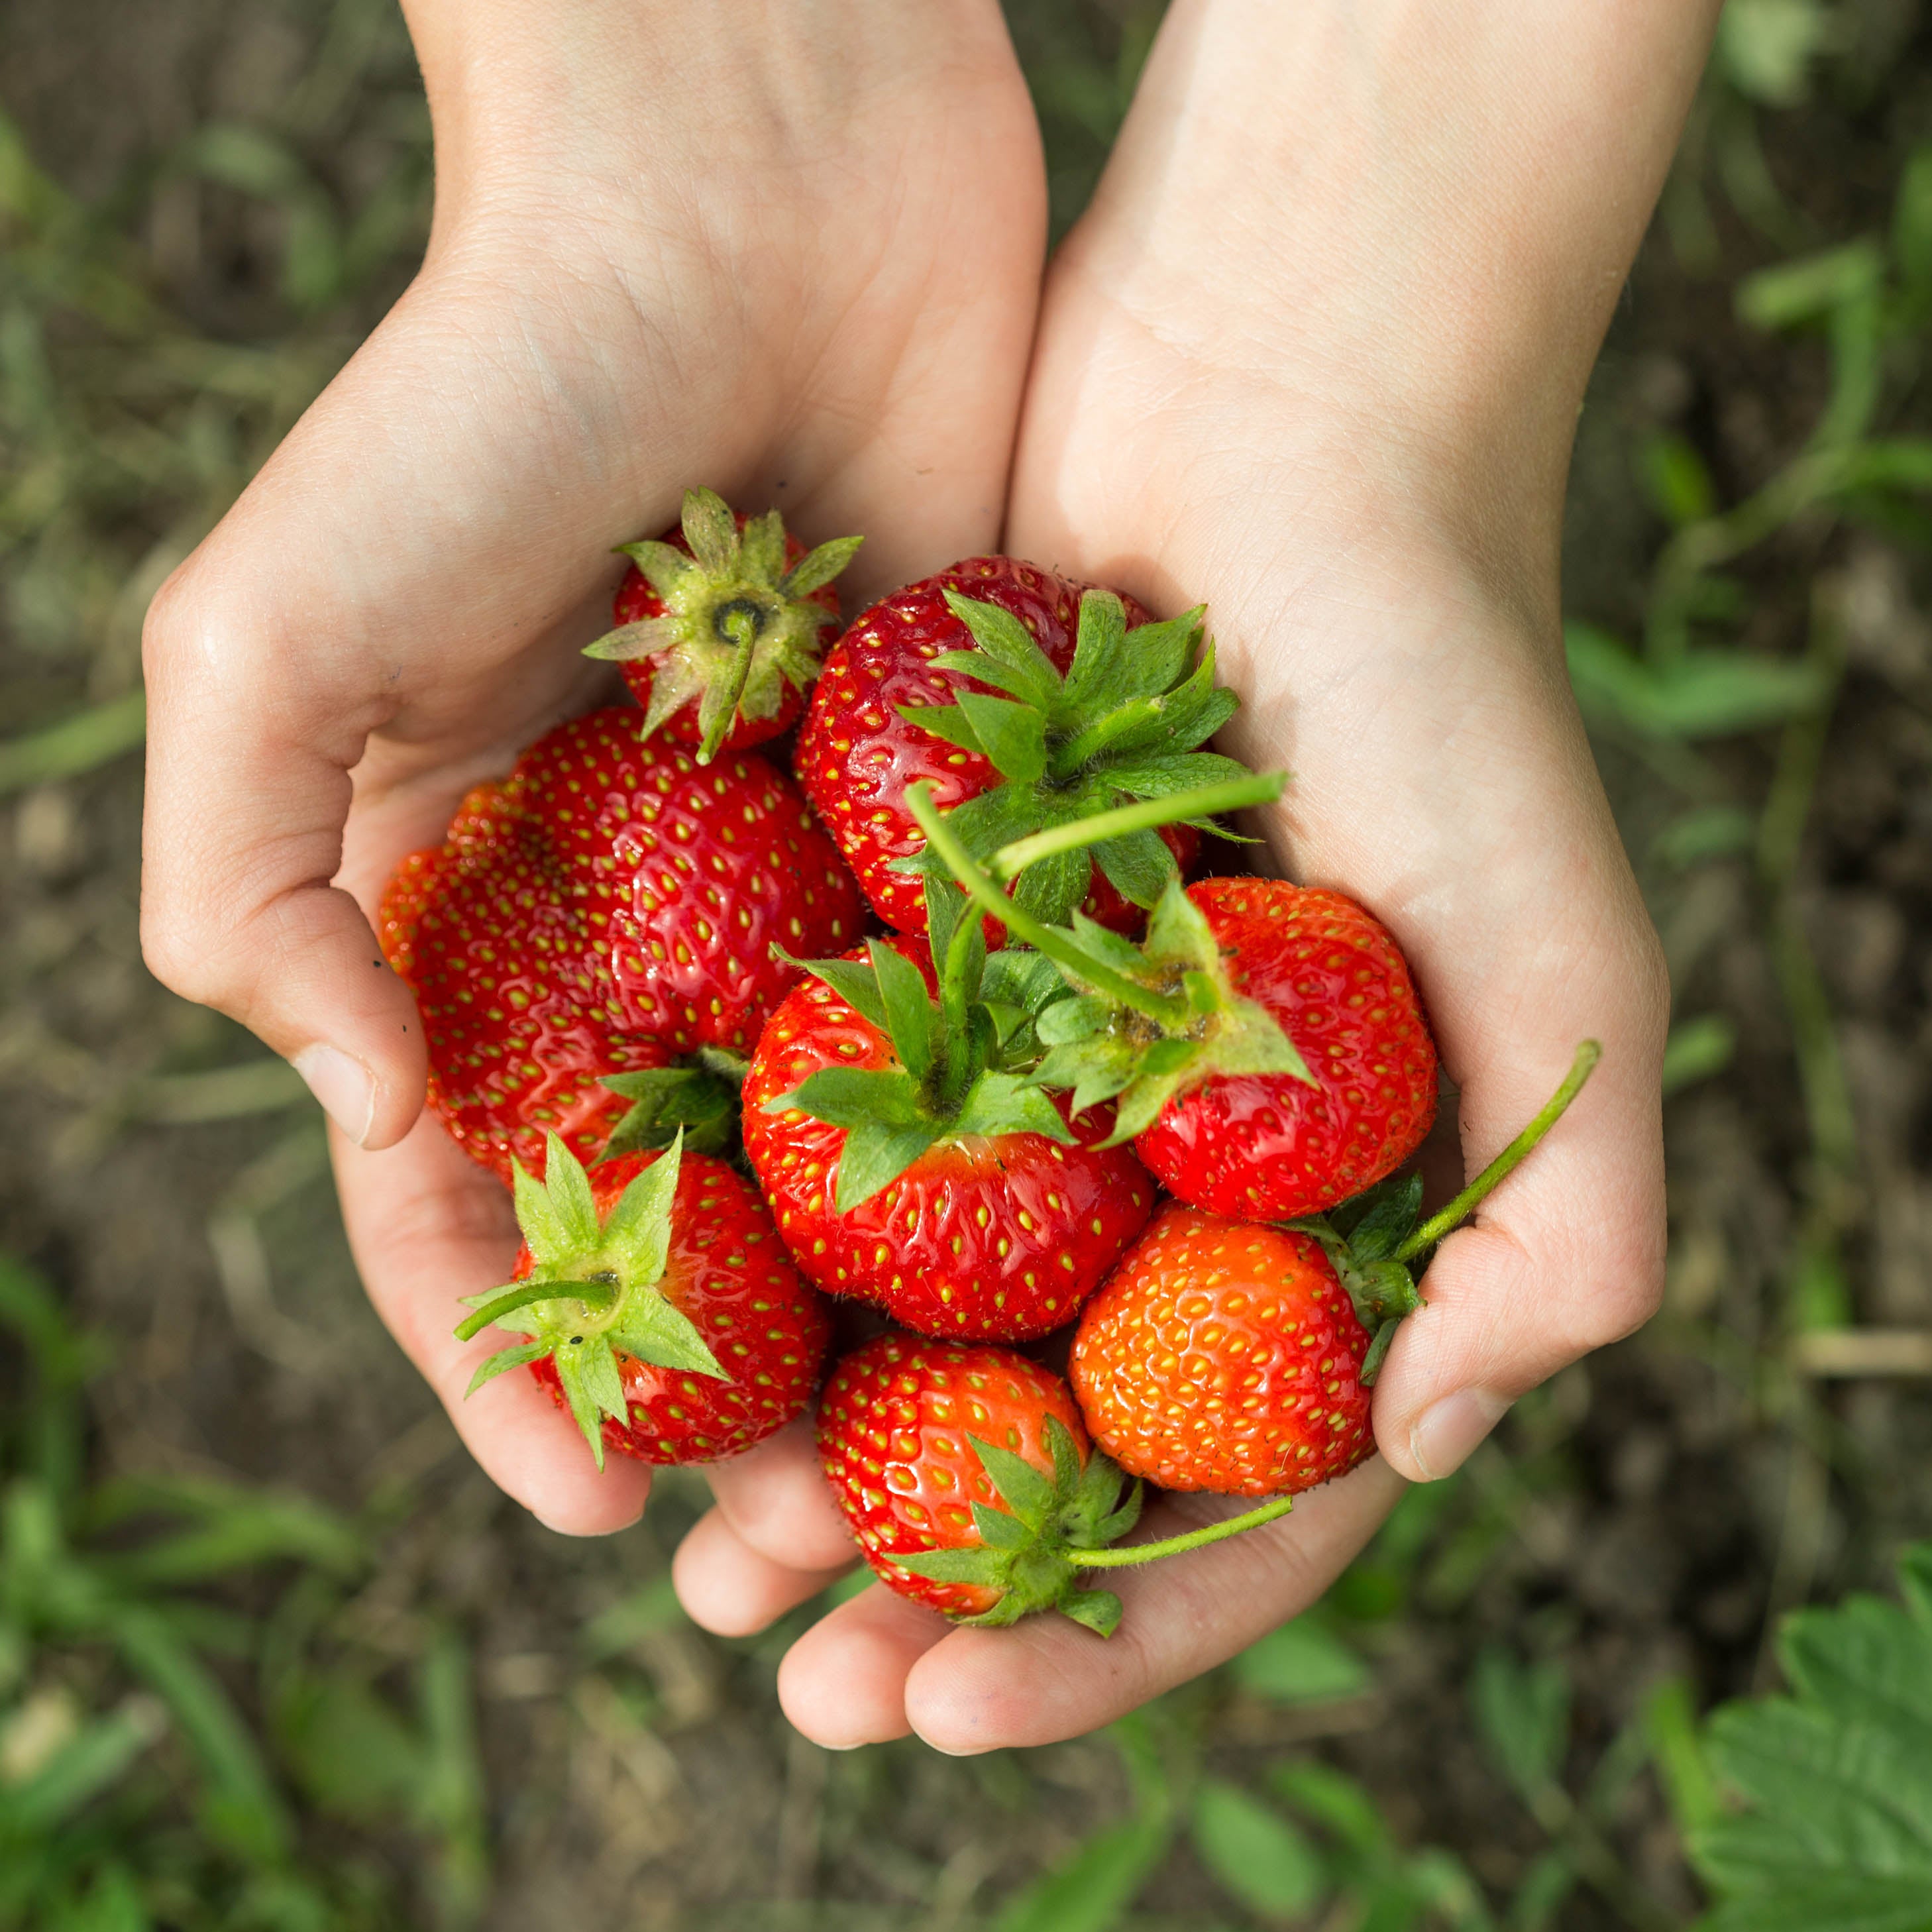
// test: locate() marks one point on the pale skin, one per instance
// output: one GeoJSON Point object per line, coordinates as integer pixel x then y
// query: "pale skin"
{"type": "Point", "coordinates": [1314, 355]}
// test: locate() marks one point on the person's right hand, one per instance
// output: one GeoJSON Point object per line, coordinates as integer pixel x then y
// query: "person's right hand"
{"type": "Point", "coordinates": [791, 251]}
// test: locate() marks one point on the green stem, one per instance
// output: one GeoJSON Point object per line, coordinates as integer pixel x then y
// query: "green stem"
{"type": "Point", "coordinates": [1174, 1014]}
{"type": "Point", "coordinates": [1439, 1225]}
{"type": "Point", "coordinates": [1176, 1546]}
{"type": "Point", "coordinates": [742, 627]}
{"type": "Point", "coordinates": [1145, 815]}
{"type": "Point", "coordinates": [598, 1294]}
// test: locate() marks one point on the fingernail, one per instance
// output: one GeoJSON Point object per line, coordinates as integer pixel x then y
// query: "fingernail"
{"type": "Point", "coordinates": [343, 1086]}
{"type": "Point", "coordinates": [1449, 1430]}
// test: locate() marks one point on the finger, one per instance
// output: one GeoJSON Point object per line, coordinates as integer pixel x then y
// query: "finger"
{"type": "Point", "coordinates": [732, 1590]}
{"type": "Point", "coordinates": [844, 1682]}
{"type": "Point", "coordinates": [1048, 1678]}
{"type": "Point", "coordinates": [777, 1502]}
{"type": "Point", "coordinates": [427, 1226]}
{"type": "Point", "coordinates": [1544, 1275]}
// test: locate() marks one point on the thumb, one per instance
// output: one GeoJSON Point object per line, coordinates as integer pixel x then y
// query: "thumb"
{"type": "Point", "coordinates": [247, 791]}
{"type": "Point", "coordinates": [1566, 1256]}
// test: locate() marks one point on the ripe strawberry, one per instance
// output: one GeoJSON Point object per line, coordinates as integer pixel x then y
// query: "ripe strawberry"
{"type": "Point", "coordinates": [1264, 1044]}
{"type": "Point", "coordinates": [907, 1166]}
{"type": "Point", "coordinates": [968, 1480]}
{"type": "Point", "coordinates": [1033, 728]}
{"type": "Point", "coordinates": [606, 908]}
{"type": "Point", "coordinates": [663, 1313]}
{"type": "Point", "coordinates": [1224, 1356]}
{"type": "Point", "coordinates": [719, 624]}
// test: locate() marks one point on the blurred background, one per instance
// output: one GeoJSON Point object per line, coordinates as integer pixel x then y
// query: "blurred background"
{"type": "Point", "coordinates": [272, 1654]}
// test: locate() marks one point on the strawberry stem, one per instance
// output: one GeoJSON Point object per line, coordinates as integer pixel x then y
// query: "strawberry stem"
{"type": "Point", "coordinates": [1174, 1014]}
{"type": "Point", "coordinates": [1439, 1225]}
{"type": "Point", "coordinates": [1144, 815]}
{"type": "Point", "coordinates": [596, 1294]}
{"type": "Point", "coordinates": [1176, 1546]}
{"type": "Point", "coordinates": [742, 622]}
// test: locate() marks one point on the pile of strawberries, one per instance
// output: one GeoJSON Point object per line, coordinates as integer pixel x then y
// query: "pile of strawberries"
{"type": "Point", "coordinates": [1065, 1107]}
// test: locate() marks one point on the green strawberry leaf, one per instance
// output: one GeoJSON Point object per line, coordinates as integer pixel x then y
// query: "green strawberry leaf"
{"type": "Point", "coordinates": [1029, 1494]}
{"type": "Point", "coordinates": [1377, 1222]}
{"type": "Point", "coordinates": [986, 1567]}
{"type": "Point", "coordinates": [585, 1409]}
{"type": "Point", "coordinates": [1099, 1610]}
{"type": "Point", "coordinates": [670, 1100]}
{"type": "Point", "coordinates": [1014, 734]}
{"type": "Point", "coordinates": [912, 1020]}
{"type": "Point", "coordinates": [817, 568]}
{"type": "Point", "coordinates": [1005, 1103]}
{"type": "Point", "coordinates": [1066, 1453]}
{"type": "Point", "coordinates": [944, 721]}
{"type": "Point", "coordinates": [506, 1358]}
{"type": "Point", "coordinates": [1162, 777]}
{"type": "Point", "coordinates": [637, 1235]}
{"type": "Point", "coordinates": [656, 1332]}
{"type": "Point", "coordinates": [875, 1155]}
{"type": "Point", "coordinates": [711, 530]}
{"type": "Point", "coordinates": [998, 1530]}
{"type": "Point", "coordinates": [852, 980]}
{"type": "Point", "coordinates": [1006, 640]}
{"type": "Point", "coordinates": [854, 1097]}
{"type": "Point", "coordinates": [1139, 867]}
{"type": "Point", "coordinates": [1050, 888]}
{"type": "Point", "coordinates": [665, 566]}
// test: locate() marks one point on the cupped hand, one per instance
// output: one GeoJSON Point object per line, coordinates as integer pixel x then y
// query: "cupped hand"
{"type": "Point", "coordinates": [790, 251]}
{"type": "Point", "coordinates": [1315, 355]}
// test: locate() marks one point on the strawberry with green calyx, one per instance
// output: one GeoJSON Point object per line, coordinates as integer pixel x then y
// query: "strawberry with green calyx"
{"type": "Point", "coordinates": [1025, 699]}
{"type": "Point", "coordinates": [972, 1487]}
{"type": "Point", "coordinates": [698, 1098]}
{"type": "Point", "coordinates": [1376, 1245]}
{"type": "Point", "coordinates": [1238, 1357]}
{"type": "Point", "coordinates": [719, 624]}
{"type": "Point", "coordinates": [907, 1159]}
{"type": "Point", "coordinates": [660, 1308]}
{"type": "Point", "coordinates": [1265, 1046]}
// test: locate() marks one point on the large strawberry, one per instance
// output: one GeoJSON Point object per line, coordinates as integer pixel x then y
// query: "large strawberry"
{"type": "Point", "coordinates": [1265, 1045]}
{"type": "Point", "coordinates": [719, 624]}
{"type": "Point", "coordinates": [1224, 1356]}
{"type": "Point", "coordinates": [606, 907]}
{"type": "Point", "coordinates": [909, 1166]}
{"type": "Point", "coordinates": [1025, 701]}
{"type": "Point", "coordinates": [660, 1308]}
{"type": "Point", "coordinates": [972, 1488]}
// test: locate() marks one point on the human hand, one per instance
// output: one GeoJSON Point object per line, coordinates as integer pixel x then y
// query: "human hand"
{"type": "Point", "coordinates": [1315, 355]}
{"type": "Point", "coordinates": [670, 246]}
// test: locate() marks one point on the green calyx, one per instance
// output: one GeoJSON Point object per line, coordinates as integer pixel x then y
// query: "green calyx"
{"type": "Point", "coordinates": [593, 1292]}
{"type": "Point", "coordinates": [737, 626]}
{"type": "Point", "coordinates": [961, 1056]}
{"type": "Point", "coordinates": [1143, 1023]}
{"type": "Point", "coordinates": [1033, 1549]}
{"type": "Point", "coordinates": [1124, 723]}
{"type": "Point", "coordinates": [1377, 1246]}
{"type": "Point", "coordinates": [698, 1098]}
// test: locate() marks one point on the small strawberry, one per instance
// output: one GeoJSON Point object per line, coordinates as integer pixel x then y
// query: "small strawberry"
{"type": "Point", "coordinates": [1226, 1357]}
{"type": "Point", "coordinates": [1264, 1046]}
{"type": "Point", "coordinates": [908, 1166]}
{"type": "Point", "coordinates": [607, 907]}
{"type": "Point", "coordinates": [719, 624]}
{"type": "Point", "coordinates": [662, 1311]}
{"type": "Point", "coordinates": [972, 1489]}
{"type": "Point", "coordinates": [1025, 701]}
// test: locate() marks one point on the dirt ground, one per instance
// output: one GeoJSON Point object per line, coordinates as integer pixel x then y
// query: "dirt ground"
{"type": "Point", "coordinates": [1643, 1519]}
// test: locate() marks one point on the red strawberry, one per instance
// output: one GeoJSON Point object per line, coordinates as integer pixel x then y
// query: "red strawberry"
{"type": "Point", "coordinates": [908, 1168]}
{"type": "Point", "coordinates": [606, 907]}
{"type": "Point", "coordinates": [719, 624]}
{"type": "Point", "coordinates": [1033, 728]}
{"type": "Point", "coordinates": [1264, 1044]}
{"type": "Point", "coordinates": [1224, 1356]}
{"type": "Point", "coordinates": [662, 1310]}
{"type": "Point", "coordinates": [1271, 1146]}
{"type": "Point", "coordinates": [968, 1480]}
